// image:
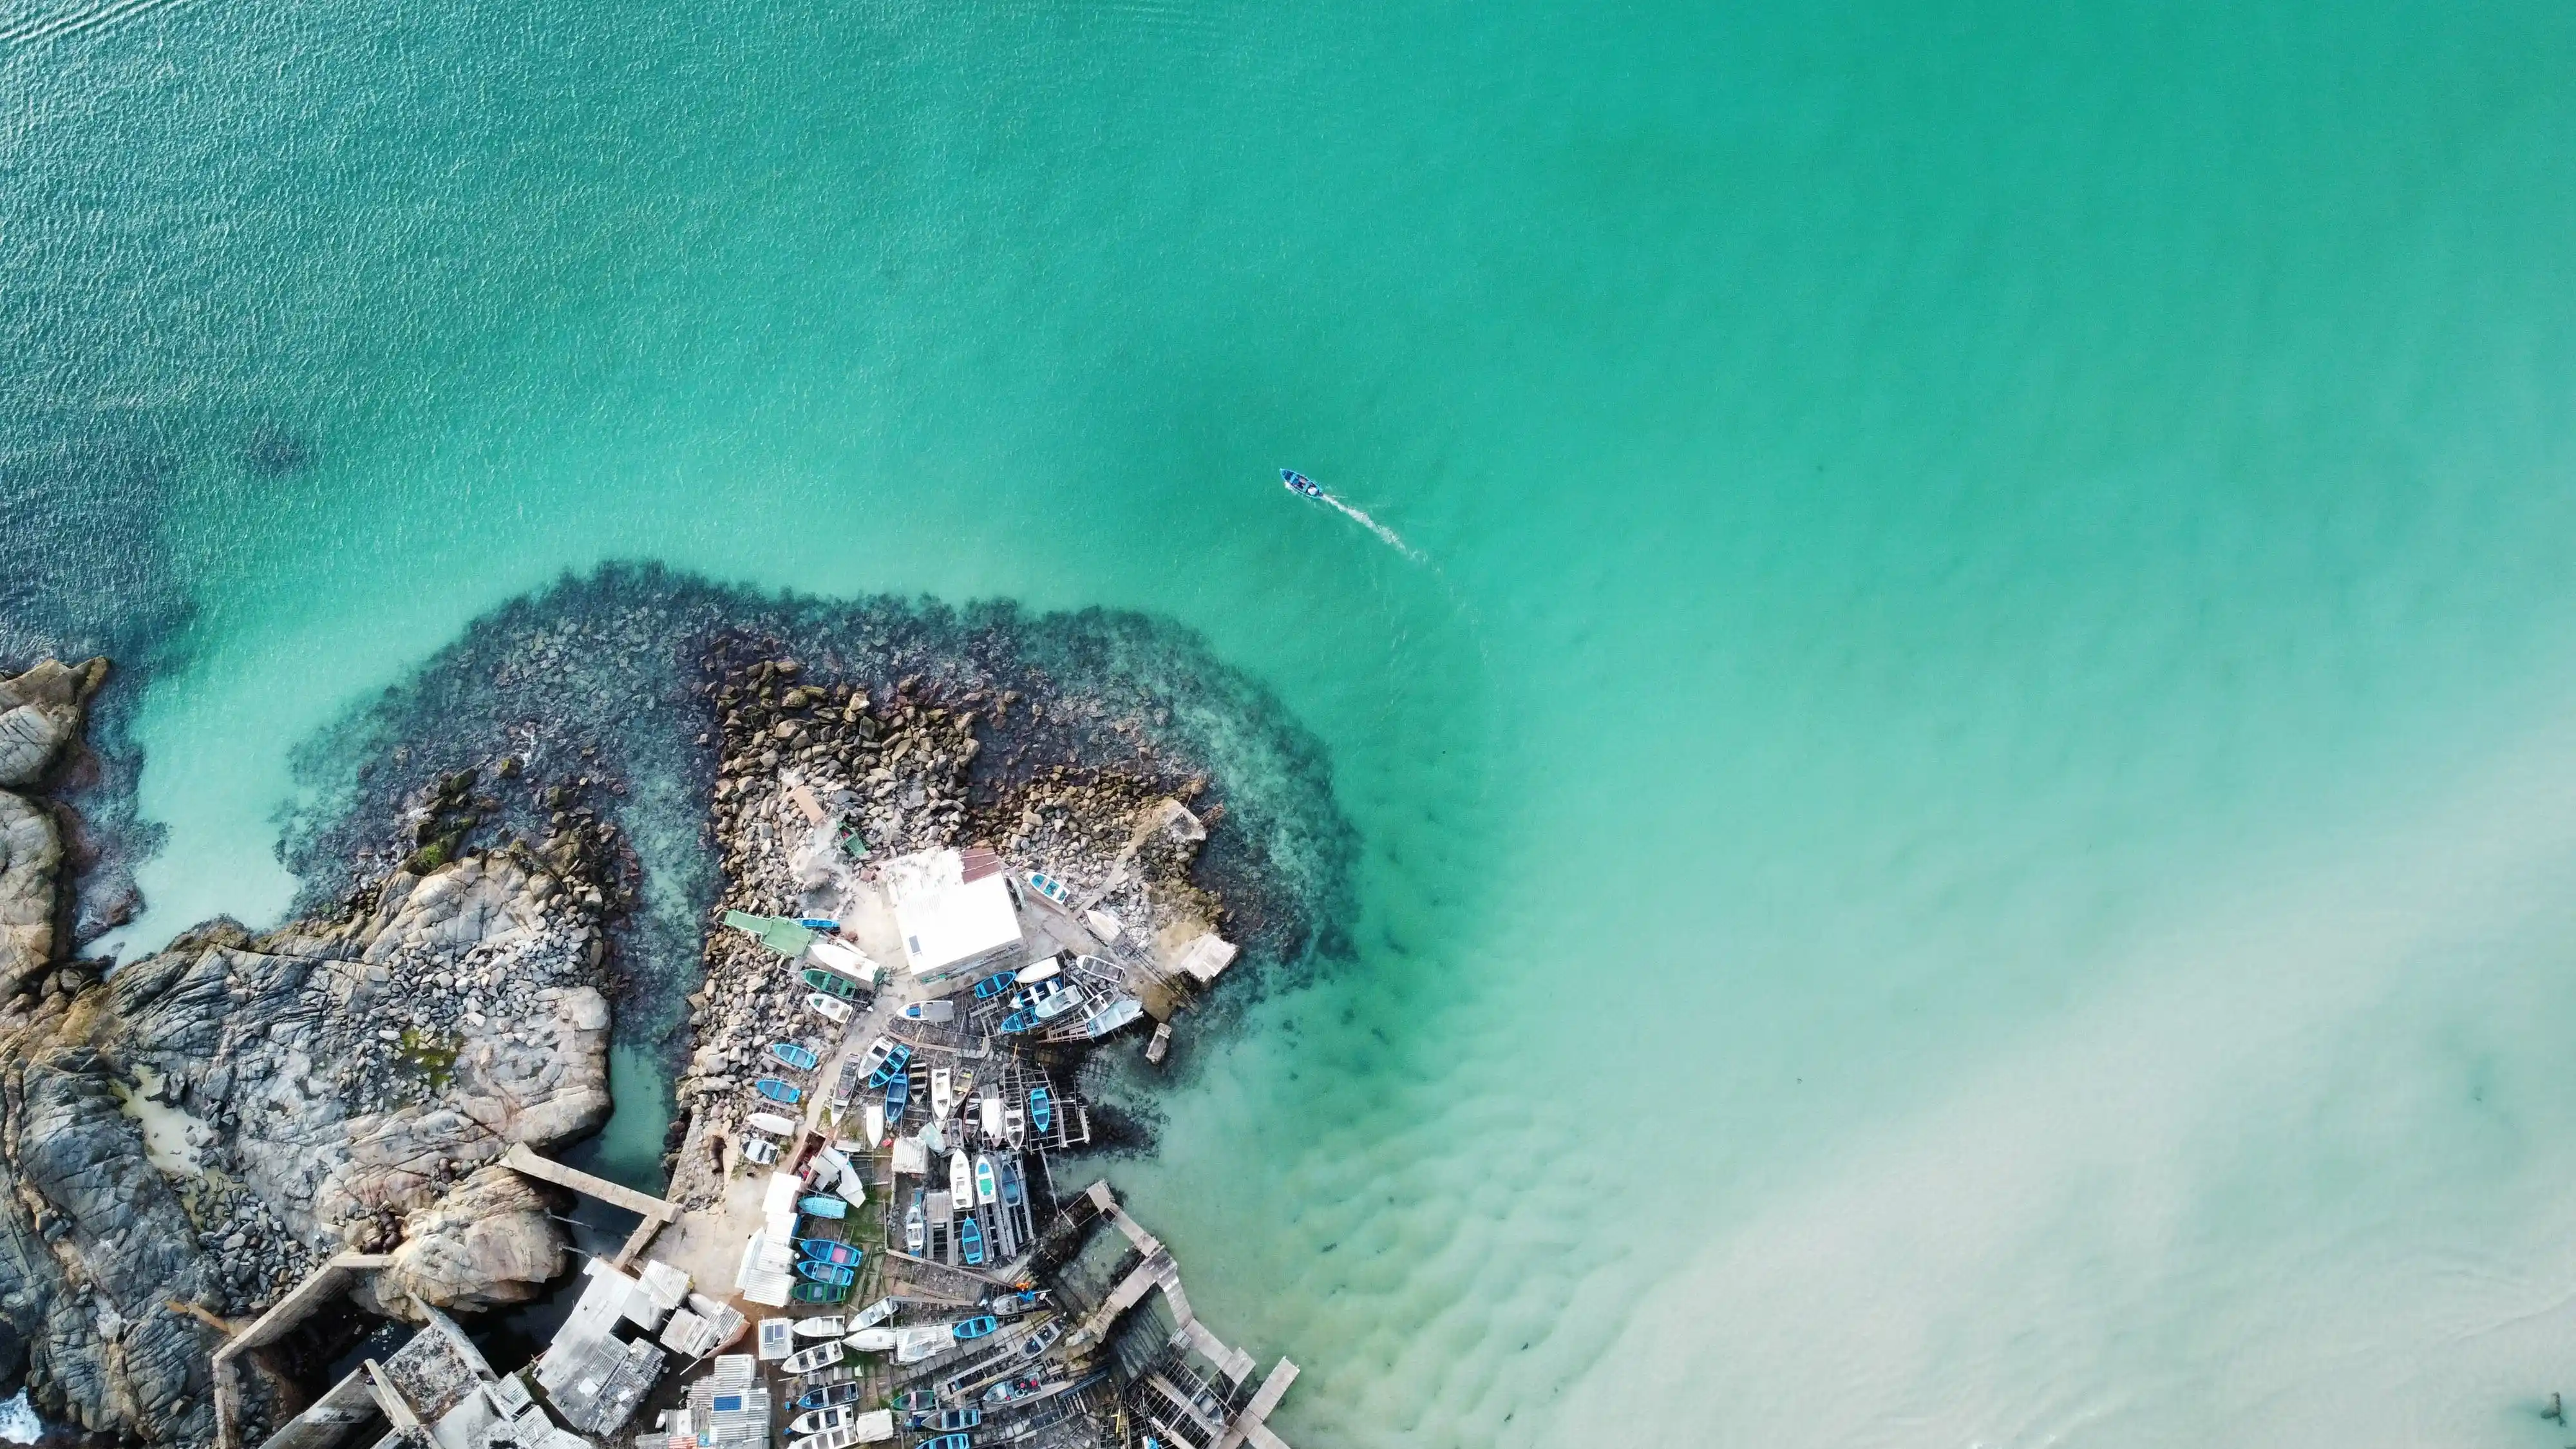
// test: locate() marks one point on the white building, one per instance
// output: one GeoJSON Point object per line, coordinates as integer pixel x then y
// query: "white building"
{"type": "Point", "coordinates": [954, 909]}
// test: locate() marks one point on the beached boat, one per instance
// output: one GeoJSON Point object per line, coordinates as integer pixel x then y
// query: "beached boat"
{"type": "Point", "coordinates": [881, 1311]}
{"type": "Point", "coordinates": [942, 1093]}
{"type": "Point", "coordinates": [1048, 886]}
{"type": "Point", "coordinates": [988, 1112]}
{"type": "Point", "coordinates": [835, 1012]}
{"type": "Point", "coordinates": [875, 1055]}
{"type": "Point", "coordinates": [1018, 1388]}
{"type": "Point", "coordinates": [916, 1232]}
{"type": "Point", "coordinates": [975, 1327]}
{"type": "Point", "coordinates": [1299, 484]}
{"type": "Point", "coordinates": [1011, 1192]}
{"type": "Point", "coordinates": [988, 1188]}
{"type": "Point", "coordinates": [970, 1242]}
{"type": "Point", "coordinates": [1015, 1125]}
{"type": "Point", "coordinates": [827, 1326]}
{"type": "Point", "coordinates": [1017, 1022]}
{"type": "Point", "coordinates": [844, 958]}
{"type": "Point", "coordinates": [832, 1397]}
{"type": "Point", "coordinates": [933, 1012]}
{"type": "Point", "coordinates": [831, 1273]}
{"type": "Point", "coordinates": [845, 1085]}
{"type": "Point", "coordinates": [807, 1360]}
{"type": "Point", "coordinates": [778, 1091]}
{"type": "Point", "coordinates": [830, 983]}
{"type": "Point", "coordinates": [759, 1150]}
{"type": "Point", "coordinates": [818, 923]}
{"type": "Point", "coordinates": [898, 1056]}
{"type": "Point", "coordinates": [993, 985]}
{"type": "Point", "coordinates": [829, 1250]}
{"type": "Point", "coordinates": [961, 1181]}
{"type": "Point", "coordinates": [817, 1421]}
{"type": "Point", "coordinates": [835, 1439]}
{"type": "Point", "coordinates": [952, 1419]}
{"type": "Point", "coordinates": [796, 1055]}
{"type": "Point", "coordinates": [1119, 1013]}
{"type": "Point", "coordinates": [771, 1123]}
{"type": "Point", "coordinates": [870, 1340]}
{"type": "Point", "coordinates": [1041, 1110]}
{"type": "Point", "coordinates": [873, 1120]}
{"type": "Point", "coordinates": [915, 1401]}
{"type": "Point", "coordinates": [819, 1292]}
{"type": "Point", "coordinates": [1045, 969]}
{"type": "Point", "coordinates": [944, 1441]}
{"type": "Point", "coordinates": [819, 1206]}
{"type": "Point", "coordinates": [898, 1092]}
{"type": "Point", "coordinates": [1042, 1338]}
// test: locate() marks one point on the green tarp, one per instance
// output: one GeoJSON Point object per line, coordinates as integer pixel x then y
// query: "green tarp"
{"type": "Point", "coordinates": [778, 933]}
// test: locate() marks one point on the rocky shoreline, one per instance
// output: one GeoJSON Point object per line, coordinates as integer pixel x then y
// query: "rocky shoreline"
{"type": "Point", "coordinates": [188, 1136]}
{"type": "Point", "coordinates": [185, 1139]}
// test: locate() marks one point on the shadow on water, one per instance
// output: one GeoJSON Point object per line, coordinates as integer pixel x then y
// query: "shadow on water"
{"type": "Point", "coordinates": [596, 682]}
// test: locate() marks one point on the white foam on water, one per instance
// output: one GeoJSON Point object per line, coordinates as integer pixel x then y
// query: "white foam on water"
{"type": "Point", "coordinates": [1386, 535]}
{"type": "Point", "coordinates": [18, 1421]}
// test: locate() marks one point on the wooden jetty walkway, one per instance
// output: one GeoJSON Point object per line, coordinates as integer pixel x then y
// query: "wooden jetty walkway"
{"type": "Point", "coordinates": [655, 1212]}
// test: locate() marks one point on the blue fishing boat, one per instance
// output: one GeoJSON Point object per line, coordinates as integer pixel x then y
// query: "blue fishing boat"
{"type": "Point", "coordinates": [795, 1055]}
{"type": "Point", "coordinates": [1299, 484]}
{"type": "Point", "coordinates": [825, 1250]}
{"type": "Point", "coordinates": [915, 1401]}
{"type": "Point", "coordinates": [778, 1091]}
{"type": "Point", "coordinates": [1018, 1388]}
{"type": "Point", "coordinates": [975, 1327]}
{"type": "Point", "coordinates": [832, 1273]}
{"type": "Point", "coordinates": [970, 1240]}
{"type": "Point", "coordinates": [823, 1207]}
{"type": "Point", "coordinates": [1041, 1110]}
{"type": "Point", "coordinates": [957, 1419]}
{"type": "Point", "coordinates": [994, 985]}
{"type": "Point", "coordinates": [947, 1441]}
{"type": "Point", "coordinates": [896, 1091]}
{"type": "Point", "coordinates": [1010, 1183]}
{"type": "Point", "coordinates": [1017, 1022]}
{"type": "Point", "coordinates": [891, 1066]}
{"type": "Point", "coordinates": [817, 923]}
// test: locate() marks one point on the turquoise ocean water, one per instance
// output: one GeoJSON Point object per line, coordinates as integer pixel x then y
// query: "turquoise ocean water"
{"type": "Point", "coordinates": [1969, 813]}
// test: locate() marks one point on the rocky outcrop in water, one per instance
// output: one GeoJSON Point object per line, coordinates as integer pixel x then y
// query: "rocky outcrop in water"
{"type": "Point", "coordinates": [183, 1141]}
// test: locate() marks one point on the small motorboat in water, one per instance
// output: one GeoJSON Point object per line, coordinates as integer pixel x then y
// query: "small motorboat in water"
{"type": "Point", "coordinates": [1299, 484]}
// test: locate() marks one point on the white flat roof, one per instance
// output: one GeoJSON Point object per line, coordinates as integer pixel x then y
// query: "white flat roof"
{"type": "Point", "coordinates": [944, 917]}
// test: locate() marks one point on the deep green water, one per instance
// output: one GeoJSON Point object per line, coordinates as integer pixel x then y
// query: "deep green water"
{"type": "Point", "coordinates": [1970, 821]}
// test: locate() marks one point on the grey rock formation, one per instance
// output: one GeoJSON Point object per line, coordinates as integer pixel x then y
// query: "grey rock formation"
{"type": "Point", "coordinates": [40, 712]}
{"type": "Point", "coordinates": [182, 1143]}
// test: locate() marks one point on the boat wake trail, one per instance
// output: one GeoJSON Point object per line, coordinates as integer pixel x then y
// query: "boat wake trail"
{"type": "Point", "coordinates": [1305, 487]}
{"type": "Point", "coordinates": [1393, 539]}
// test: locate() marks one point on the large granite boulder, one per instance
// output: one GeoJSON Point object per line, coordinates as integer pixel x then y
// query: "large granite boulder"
{"type": "Point", "coordinates": [31, 855]}
{"type": "Point", "coordinates": [40, 712]}
{"type": "Point", "coordinates": [488, 1242]}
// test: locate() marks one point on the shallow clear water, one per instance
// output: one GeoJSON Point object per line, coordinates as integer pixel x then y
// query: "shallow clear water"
{"type": "Point", "coordinates": [1967, 823]}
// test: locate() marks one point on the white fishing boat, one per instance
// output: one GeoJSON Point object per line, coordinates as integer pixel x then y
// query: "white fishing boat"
{"type": "Point", "coordinates": [916, 1231]}
{"type": "Point", "coordinates": [989, 1108]}
{"type": "Point", "coordinates": [987, 1186]}
{"type": "Point", "coordinates": [943, 1089]}
{"type": "Point", "coordinates": [875, 1121]}
{"type": "Point", "coordinates": [829, 1439]}
{"type": "Point", "coordinates": [1037, 971]}
{"type": "Point", "coordinates": [820, 1327]}
{"type": "Point", "coordinates": [1015, 1124]}
{"type": "Point", "coordinates": [771, 1123]}
{"type": "Point", "coordinates": [871, 1340]}
{"type": "Point", "coordinates": [807, 1360]}
{"type": "Point", "coordinates": [835, 1012]}
{"type": "Point", "coordinates": [875, 1313]}
{"type": "Point", "coordinates": [818, 1421]}
{"type": "Point", "coordinates": [1110, 1018]}
{"type": "Point", "coordinates": [961, 1180]}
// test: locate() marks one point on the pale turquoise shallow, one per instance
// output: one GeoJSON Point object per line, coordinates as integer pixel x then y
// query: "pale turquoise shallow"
{"type": "Point", "coordinates": [1970, 809]}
